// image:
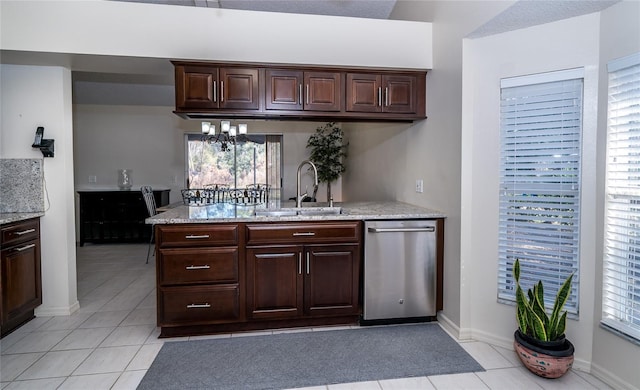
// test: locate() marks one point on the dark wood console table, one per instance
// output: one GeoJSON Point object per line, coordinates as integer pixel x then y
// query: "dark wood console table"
{"type": "Point", "coordinates": [116, 216]}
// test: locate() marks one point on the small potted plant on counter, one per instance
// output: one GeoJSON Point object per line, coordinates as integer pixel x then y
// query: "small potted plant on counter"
{"type": "Point", "coordinates": [540, 342]}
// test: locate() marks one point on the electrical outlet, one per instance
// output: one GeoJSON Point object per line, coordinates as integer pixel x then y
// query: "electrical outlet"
{"type": "Point", "coordinates": [93, 179]}
{"type": "Point", "coordinates": [419, 185]}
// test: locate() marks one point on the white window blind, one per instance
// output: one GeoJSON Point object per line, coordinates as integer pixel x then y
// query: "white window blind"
{"type": "Point", "coordinates": [540, 131]}
{"type": "Point", "coordinates": [621, 284]}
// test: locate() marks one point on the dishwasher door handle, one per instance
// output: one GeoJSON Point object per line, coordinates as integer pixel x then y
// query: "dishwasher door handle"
{"type": "Point", "coordinates": [429, 229]}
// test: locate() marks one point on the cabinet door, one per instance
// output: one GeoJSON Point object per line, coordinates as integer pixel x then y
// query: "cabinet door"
{"type": "Point", "coordinates": [196, 87]}
{"type": "Point", "coordinates": [274, 282]}
{"type": "Point", "coordinates": [364, 92]}
{"type": "Point", "coordinates": [92, 217]}
{"type": "Point", "coordinates": [331, 274]}
{"type": "Point", "coordinates": [284, 89]}
{"type": "Point", "coordinates": [400, 94]}
{"type": "Point", "coordinates": [21, 282]}
{"type": "Point", "coordinates": [322, 91]}
{"type": "Point", "coordinates": [239, 88]}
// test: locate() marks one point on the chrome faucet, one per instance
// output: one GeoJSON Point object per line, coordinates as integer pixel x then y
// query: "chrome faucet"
{"type": "Point", "coordinates": [315, 178]}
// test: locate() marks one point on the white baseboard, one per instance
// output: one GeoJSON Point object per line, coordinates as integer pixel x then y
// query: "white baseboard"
{"type": "Point", "coordinates": [609, 378]}
{"type": "Point", "coordinates": [492, 339]}
{"type": "Point", "coordinates": [42, 311]}
{"type": "Point", "coordinates": [449, 326]}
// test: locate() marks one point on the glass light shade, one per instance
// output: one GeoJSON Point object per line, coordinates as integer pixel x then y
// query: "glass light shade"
{"type": "Point", "coordinates": [206, 127]}
{"type": "Point", "coordinates": [242, 128]}
{"type": "Point", "coordinates": [232, 131]}
{"type": "Point", "coordinates": [224, 126]}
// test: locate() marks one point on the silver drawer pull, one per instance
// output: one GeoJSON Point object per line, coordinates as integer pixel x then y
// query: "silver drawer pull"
{"type": "Point", "coordinates": [196, 237]}
{"type": "Point", "coordinates": [190, 267]}
{"type": "Point", "coordinates": [304, 234]}
{"type": "Point", "coordinates": [24, 232]}
{"type": "Point", "coordinates": [198, 306]}
{"type": "Point", "coordinates": [402, 230]}
{"type": "Point", "coordinates": [24, 248]}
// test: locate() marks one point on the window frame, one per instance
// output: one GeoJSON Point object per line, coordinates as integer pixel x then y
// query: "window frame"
{"type": "Point", "coordinates": [276, 189]}
{"type": "Point", "coordinates": [620, 313]}
{"type": "Point", "coordinates": [531, 271]}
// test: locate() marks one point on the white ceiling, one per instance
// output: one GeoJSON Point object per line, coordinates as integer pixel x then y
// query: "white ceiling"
{"type": "Point", "coordinates": [522, 14]}
{"type": "Point", "coordinates": [527, 13]}
{"type": "Point", "coordinates": [372, 9]}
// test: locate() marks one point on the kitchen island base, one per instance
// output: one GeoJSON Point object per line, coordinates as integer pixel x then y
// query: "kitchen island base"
{"type": "Point", "coordinates": [225, 268]}
{"type": "Point", "coordinates": [223, 277]}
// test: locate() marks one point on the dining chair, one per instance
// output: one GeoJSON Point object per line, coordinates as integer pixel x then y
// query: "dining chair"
{"type": "Point", "coordinates": [150, 201]}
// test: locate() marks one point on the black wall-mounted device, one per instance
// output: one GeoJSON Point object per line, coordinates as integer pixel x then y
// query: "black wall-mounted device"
{"type": "Point", "coordinates": [45, 145]}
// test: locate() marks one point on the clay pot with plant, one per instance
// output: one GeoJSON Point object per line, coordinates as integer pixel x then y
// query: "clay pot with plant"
{"type": "Point", "coordinates": [328, 151]}
{"type": "Point", "coordinates": [540, 341]}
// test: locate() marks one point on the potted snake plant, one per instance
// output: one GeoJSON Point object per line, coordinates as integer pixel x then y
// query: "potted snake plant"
{"type": "Point", "coordinates": [539, 341]}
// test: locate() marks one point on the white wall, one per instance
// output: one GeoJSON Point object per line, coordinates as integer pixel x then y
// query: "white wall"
{"type": "Point", "coordinates": [561, 45]}
{"type": "Point", "coordinates": [177, 32]}
{"type": "Point", "coordinates": [614, 358]}
{"type": "Point", "coordinates": [386, 159]}
{"type": "Point", "coordinates": [35, 96]}
{"type": "Point", "coordinates": [150, 141]}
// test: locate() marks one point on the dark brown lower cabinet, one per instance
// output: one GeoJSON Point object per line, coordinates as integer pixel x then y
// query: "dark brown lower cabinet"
{"type": "Point", "coordinates": [297, 281]}
{"type": "Point", "coordinates": [331, 279]}
{"type": "Point", "coordinates": [274, 282]}
{"type": "Point", "coordinates": [223, 277]}
{"type": "Point", "coordinates": [20, 276]}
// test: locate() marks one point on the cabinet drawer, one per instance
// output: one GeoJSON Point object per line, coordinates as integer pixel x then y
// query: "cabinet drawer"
{"type": "Point", "coordinates": [197, 235]}
{"type": "Point", "coordinates": [18, 232]}
{"type": "Point", "coordinates": [203, 265]}
{"type": "Point", "coordinates": [198, 305]}
{"type": "Point", "coordinates": [303, 233]}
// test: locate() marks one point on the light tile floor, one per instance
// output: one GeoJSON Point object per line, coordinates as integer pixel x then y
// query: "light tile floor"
{"type": "Point", "coordinates": [112, 340]}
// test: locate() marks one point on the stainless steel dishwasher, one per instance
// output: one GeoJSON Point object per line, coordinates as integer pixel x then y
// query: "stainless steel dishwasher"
{"type": "Point", "coordinates": [399, 270]}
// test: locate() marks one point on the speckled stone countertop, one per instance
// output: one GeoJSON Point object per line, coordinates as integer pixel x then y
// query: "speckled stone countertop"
{"type": "Point", "coordinates": [15, 217]}
{"type": "Point", "coordinates": [225, 212]}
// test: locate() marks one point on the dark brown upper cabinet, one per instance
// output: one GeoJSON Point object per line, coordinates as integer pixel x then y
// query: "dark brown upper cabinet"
{"type": "Point", "coordinates": [378, 93]}
{"type": "Point", "coordinates": [294, 90]}
{"type": "Point", "coordinates": [208, 87]}
{"type": "Point", "coordinates": [300, 92]}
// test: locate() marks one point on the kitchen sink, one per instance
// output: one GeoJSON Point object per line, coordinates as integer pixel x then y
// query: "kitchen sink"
{"type": "Point", "coordinates": [319, 210]}
{"type": "Point", "coordinates": [276, 213]}
{"type": "Point", "coordinates": [290, 212]}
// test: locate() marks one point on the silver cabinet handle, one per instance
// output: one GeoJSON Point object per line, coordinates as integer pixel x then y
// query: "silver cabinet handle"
{"type": "Point", "coordinates": [198, 306]}
{"type": "Point", "coordinates": [401, 230]}
{"type": "Point", "coordinates": [196, 237]}
{"type": "Point", "coordinates": [307, 93]}
{"type": "Point", "coordinates": [24, 232]}
{"type": "Point", "coordinates": [221, 91]}
{"type": "Point", "coordinates": [386, 96]}
{"type": "Point", "coordinates": [192, 267]}
{"type": "Point", "coordinates": [300, 94]}
{"type": "Point", "coordinates": [380, 96]}
{"type": "Point", "coordinates": [304, 234]}
{"type": "Point", "coordinates": [215, 92]}
{"type": "Point", "coordinates": [300, 263]}
{"type": "Point", "coordinates": [307, 263]}
{"type": "Point", "coordinates": [24, 248]}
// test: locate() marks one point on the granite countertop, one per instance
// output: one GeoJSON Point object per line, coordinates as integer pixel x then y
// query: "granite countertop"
{"type": "Point", "coordinates": [16, 217]}
{"type": "Point", "coordinates": [224, 212]}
